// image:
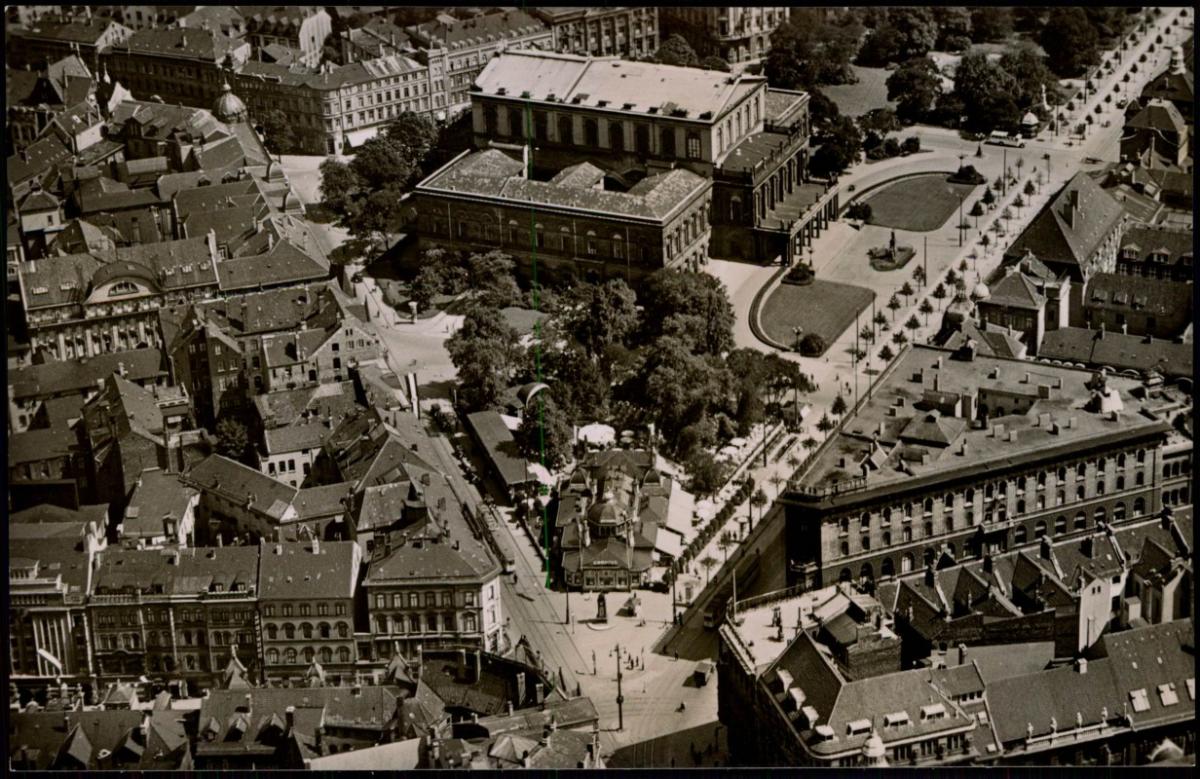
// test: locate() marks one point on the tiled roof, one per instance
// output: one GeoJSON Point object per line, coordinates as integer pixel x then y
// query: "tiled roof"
{"type": "Point", "coordinates": [36, 160]}
{"type": "Point", "coordinates": [284, 264]}
{"type": "Point", "coordinates": [477, 30]}
{"type": "Point", "coordinates": [239, 482]}
{"type": "Point", "coordinates": [158, 494]}
{"type": "Point", "coordinates": [205, 45]}
{"type": "Point", "coordinates": [82, 237]}
{"type": "Point", "coordinates": [44, 735]}
{"type": "Point", "coordinates": [1159, 115]}
{"type": "Point", "coordinates": [48, 443]}
{"type": "Point", "coordinates": [1118, 351]}
{"type": "Point", "coordinates": [1016, 290]}
{"type": "Point", "coordinates": [58, 549]}
{"type": "Point", "coordinates": [491, 173]}
{"type": "Point", "coordinates": [1142, 294]}
{"type": "Point", "coordinates": [1142, 241]}
{"type": "Point", "coordinates": [1052, 238]}
{"type": "Point", "coordinates": [327, 500]}
{"type": "Point", "coordinates": [429, 554]}
{"type": "Point", "coordinates": [500, 446]}
{"type": "Point", "coordinates": [308, 570]}
{"type": "Point", "coordinates": [536, 75]}
{"type": "Point", "coordinates": [82, 31]}
{"type": "Point", "coordinates": [195, 571]}
{"type": "Point", "coordinates": [48, 512]}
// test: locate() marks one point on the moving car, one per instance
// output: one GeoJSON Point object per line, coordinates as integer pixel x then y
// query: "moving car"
{"type": "Point", "coordinates": [1004, 139]}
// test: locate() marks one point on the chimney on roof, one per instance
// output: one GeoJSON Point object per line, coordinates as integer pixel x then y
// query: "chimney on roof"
{"type": "Point", "coordinates": [1166, 516]}
{"type": "Point", "coordinates": [1044, 549]}
{"type": "Point", "coordinates": [962, 654]}
{"type": "Point", "coordinates": [1124, 328]}
{"type": "Point", "coordinates": [1081, 666]}
{"type": "Point", "coordinates": [1087, 547]}
{"type": "Point", "coordinates": [290, 715]}
{"type": "Point", "coordinates": [929, 575]}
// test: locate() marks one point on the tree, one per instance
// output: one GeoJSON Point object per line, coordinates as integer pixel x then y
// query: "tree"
{"type": "Point", "coordinates": [985, 242]}
{"type": "Point", "coordinates": [696, 300]}
{"type": "Point", "coordinates": [414, 134]}
{"type": "Point", "coordinates": [778, 480]}
{"type": "Point", "coordinates": [915, 86]}
{"type": "Point", "coordinates": [232, 439]}
{"type": "Point", "coordinates": [886, 354]}
{"type": "Point", "coordinates": [426, 286]}
{"type": "Point", "coordinates": [894, 305]}
{"type": "Point", "coordinates": [841, 144]}
{"type": "Point", "coordinates": [919, 275]}
{"type": "Point", "coordinates": [867, 334]}
{"type": "Point", "coordinates": [1028, 68]}
{"type": "Point", "coordinates": [809, 443]}
{"type": "Point", "coordinates": [825, 424]}
{"type": "Point", "coordinates": [899, 338]}
{"type": "Point", "coordinates": [962, 266]}
{"type": "Point", "coordinates": [581, 385]}
{"type": "Point", "coordinates": [917, 28]}
{"type": "Point", "coordinates": [891, 148]}
{"type": "Point", "coordinates": [913, 323]}
{"type": "Point", "coordinates": [880, 319]}
{"type": "Point", "coordinates": [939, 292]}
{"type": "Point", "coordinates": [839, 406]}
{"type": "Point", "coordinates": [492, 275]}
{"type": "Point", "coordinates": [724, 542]}
{"type": "Point", "coordinates": [484, 351]}
{"type": "Point", "coordinates": [989, 197]}
{"type": "Point", "coordinates": [713, 62]}
{"type": "Point", "coordinates": [339, 183]}
{"type": "Point", "coordinates": [976, 211]}
{"type": "Point", "coordinates": [912, 144]}
{"type": "Point", "coordinates": [991, 23]}
{"type": "Point", "coordinates": [599, 316]}
{"type": "Point", "coordinates": [676, 51]}
{"type": "Point", "coordinates": [1019, 202]}
{"type": "Point", "coordinates": [1030, 189]}
{"type": "Point", "coordinates": [812, 345]}
{"type": "Point", "coordinates": [926, 308]}
{"type": "Point", "coordinates": [985, 90]}
{"type": "Point", "coordinates": [758, 500]}
{"type": "Point", "coordinates": [808, 51]}
{"type": "Point", "coordinates": [545, 434]}
{"type": "Point", "coordinates": [278, 134]}
{"type": "Point", "coordinates": [1071, 42]}
{"type": "Point", "coordinates": [707, 563]}
{"type": "Point", "coordinates": [879, 120]}
{"type": "Point", "coordinates": [821, 111]}
{"type": "Point", "coordinates": [953, 21]}
{"type": "Point", "coordinates": [907, 291]}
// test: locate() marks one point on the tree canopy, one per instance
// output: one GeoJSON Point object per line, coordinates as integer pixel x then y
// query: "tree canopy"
{"type": "Point", "coordinates": [485, 352]}
{"type": "Point", "coordinates": [916, 87]}
{"type": "Point", "coordinates": [808, 50]}
{"type": "Point", "coordinates": [545, 433]}
{"type": "Point", "coordinates": [690, 305]}
{"type": "Point", "coordinates": [1071, 42]}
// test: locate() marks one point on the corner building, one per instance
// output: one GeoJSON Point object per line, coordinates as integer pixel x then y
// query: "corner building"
{"type": "Point", "coordinates": [955, 456]}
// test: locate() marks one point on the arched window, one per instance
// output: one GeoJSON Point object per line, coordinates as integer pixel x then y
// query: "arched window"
{"type": "Point", "coordinates": [1019, 534]}
{"type": "Point", "coordinates": [618, 246]}
{"type": "Point", "coordinates": [1040, 530]}
{"type": "Point", "coordinates": [1062, 475]}
{"type": "Point", "coordinates": [516, 123]}
{"type": "Point", "coordinates": [323, 630]}
{"type": "Point", "coordinates": [289, 656]}
{"type": "Point", "coordinates": [289, 630]}
{"type": "Point", "coordinates": [273, 656]}
{"type": "Point", "coordinates": [1060, 497]}
{"type": "Point", "coordinates": [616, 136]}
{"type": "Point", "coordinates": [1139, 479]}
{"type": "Point", "coordinates": [591, 133]}
{"type": "Point", "coordinates": [1080, 470]}
{"type": "Point", "coordinates": [272, 632]}
{"type": "Point", "coordinates": [541, 126]}
{"type": "Point", "coordinates": [971, 496]}
{"type": "Point", "coordinates": [1041, 479]}
{"type": "Point", "coordinates": [666, 142]}
{"type": "Point", "coordinates": [928, 529]}
{"type": "Point", "coordinates": [845, 524]}
{"type": "Point", "coordinates": [1020, 506]}
{"type": "Point", "coordinates": [845, 548]}
{"type": "Point", "coordinates": [929, 505]}
{"type": "Point", "coordinates": [1060, 525]}
{"type": "Point", "coordinates": [306, 630]}
{"type": "Point", "coordinates": [1100, 487]}
{"type": "Point", "coordinates": [693, 146]}
{"type": "Point", "coordinates": [887, 567]}
{"type": "Point", "coordinates": [1101, 515]}
{"type": "Point", "coordinates": [887, 516]}
{"type": "Point", "coordinates": [343, 654]}
{"type": "Point", "coordinates": [326, 655]}
{"type": "Point", "coordinates": [907, 562]}
{"type": "Point", "coordinates": [566, 130]}
{"type": "Point", "coordinates": [309, 654]}
{"type": "Point", "coordinates": [887, 538]}
{"type": "Point", "coordinates": [1081, 520]}
{"type": "Point", "coordinates": [1121, 460]}
{"type": "Point", "coordinates": [1141, 456]}
{"type": "Point", "coordinates": [343, 630]}
{"type": "Point", "coordinates": [1120, 483]}
{"type": "Point", "coordinates": [1139, 507]}
{"type": "Point", "coordinates": [865, 519]}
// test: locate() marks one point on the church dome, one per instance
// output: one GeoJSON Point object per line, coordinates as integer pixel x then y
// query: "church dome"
{"type": "Point", "coordinates": [604, 513]}
{"type": "Point", "coordinates": [981, 292]}
{"type": "Point", "coordinates": [873, 749]}
{"type": "Point", "coordinates": [229, 108]}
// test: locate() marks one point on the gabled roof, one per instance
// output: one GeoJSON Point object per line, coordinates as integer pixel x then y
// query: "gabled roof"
{"type": "Point", "coordinates": [1159, 115]}
{"type": "Point", "coordinates": [241, 483]}
{"type": "Point", "coordinates": [1052, 238]}
{"type": "Point", "coordinates": [1015, 290]}
{"type": "Point", "coordinates": [205, 45]}
{"type": "Point", "coordinates": [177, 572]}
{"type": "Point", "coordinates": [308, 570]}
{"type": "Point", "coordinates": [157, 495]}
{"type": "Point", "coordinates": [1118, 351]}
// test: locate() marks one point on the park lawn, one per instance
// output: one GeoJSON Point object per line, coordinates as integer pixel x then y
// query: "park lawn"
{"type": "Point", "coordinates": [919, 204]}
{"type": "Point", "coordinates": [823, 307]}
{"type": "Point", "coordinates": [868, 94]}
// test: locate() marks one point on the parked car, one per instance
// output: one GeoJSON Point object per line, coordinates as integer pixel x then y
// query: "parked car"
{"type": "Point", "coordinates": [1005, 139]}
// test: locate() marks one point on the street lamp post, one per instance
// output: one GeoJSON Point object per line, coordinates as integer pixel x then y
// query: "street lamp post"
{"type": "Point", "coordinates": [960, 220]}
{"type": "Point", "coordinates": [674, 596]}
{"type": "Point", "coordinates": [1004, 174]}
{"type": "Point", "coordinates": [567, 619]}
{"type": "Point", "coordinates": [797, 331]}
{"type": "Point", "coordinates": [620, 697]}
{"type": "Point", "coordinates": [1046, 157]}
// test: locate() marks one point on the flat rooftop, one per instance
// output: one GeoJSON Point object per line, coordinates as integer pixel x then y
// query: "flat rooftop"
{"type": "Point", "coordinates": [760, 639]}
{"type": "Point", "coordinates": [924, 419]}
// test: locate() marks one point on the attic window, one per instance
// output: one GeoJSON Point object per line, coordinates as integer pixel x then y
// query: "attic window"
{"type": "Point", "coordinates": [933, 711]}
{"type": "Point", "coordinates": [652, 109]}
{"type": "Point", "coordinates": [1140, 701]}
{"type": "Point", "coordinates": [40, 290]}
{"type": "Point", "coordinates": [858, 727]}
{"type": "Point", "coordinates": [1166, 693]}
{"type": "Point", "coordinates": [169, 271]}
{"type": "Point", "coordinates": [186, 269]}
{"type": "Point", "coordinates": [67, 286]}
{"type": "Point", "coordinates": [896, 720]}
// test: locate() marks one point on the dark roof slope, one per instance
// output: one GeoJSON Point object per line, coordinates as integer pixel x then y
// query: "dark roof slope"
{"type": "Point", "coordinates": [308, 570]}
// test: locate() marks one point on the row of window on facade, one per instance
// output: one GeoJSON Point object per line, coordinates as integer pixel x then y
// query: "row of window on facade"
{"type": "Point", "coordinates": [324, 655]}
{"type": "Point", "coordinates": [432, 599]}
{"type": "Point", "coordinates": [563, 242]}
{"type": "Point", "coordinates": [1020, 534]}
{"type": "Point", "coordinates": [306, 630]}
{"type": "Point", "coordinates": [591, 133]}
{"type": "Point", "coordinates": [411, 623]}
{"type": "Point", "coordinates": [1035, 484]}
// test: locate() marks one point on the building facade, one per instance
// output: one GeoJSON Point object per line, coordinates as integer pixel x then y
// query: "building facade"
{"type": "Point", "coordinates": [181, 66]}
{"type": "Point", "coordinates": [306, 594]}
{"type": "Point", "coordinates": [623, 31]}
{"type": "Point", "coordinates": [964, 472]}
{"type": "Point", "coordinates": [482, 200]}
{"type": "Point", "coordinates": [743, 34]}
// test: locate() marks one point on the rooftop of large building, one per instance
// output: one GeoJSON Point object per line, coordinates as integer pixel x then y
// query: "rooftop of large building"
{"type": "Point", "coordinates": [308, 570]}
{"type": "Point", "coordinates": [86, 32]}
{"type": "Point", "coordinates": [1118, 351]}
{"type": "Point", "coordinates": [98, 739]}
{"type": "Point", "coordinates": [158, 495]}
{"type": "Point", "coordinates": [177, 571]}
{"type": "Point", "coordinates": [1072, 226]}
{"type": "Point", "coordinates": [615, 84]}
{"type": "Point", "coordinates": [451, 33]}
{"type": "Point", "coordinates": [494, 174]}
{"type": "Point", "coordinates": [242, 484]}
{"type": "Point", "coordinates": [1148, 244]}
{"type": "Point", "coordinates": [936, 414]}
{"type": "Point", "coordinates": [204, 45]}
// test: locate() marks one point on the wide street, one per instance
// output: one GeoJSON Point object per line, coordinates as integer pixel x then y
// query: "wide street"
{"type": "Point", "coordinates": [585, 651]}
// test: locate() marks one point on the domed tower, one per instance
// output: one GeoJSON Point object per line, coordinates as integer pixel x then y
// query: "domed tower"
{"type": "Point", "coordinates": [229, 108]}
{"type": "Point", "coordinates": [981, 292]}
{"type": "Point", "coordinates": [874, 752]}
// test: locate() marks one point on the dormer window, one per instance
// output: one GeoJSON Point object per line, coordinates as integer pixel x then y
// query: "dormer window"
{"type": "Point", "coordinates": [858, 727]}
{"type": "Point", "coordinates": [933, 711]}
